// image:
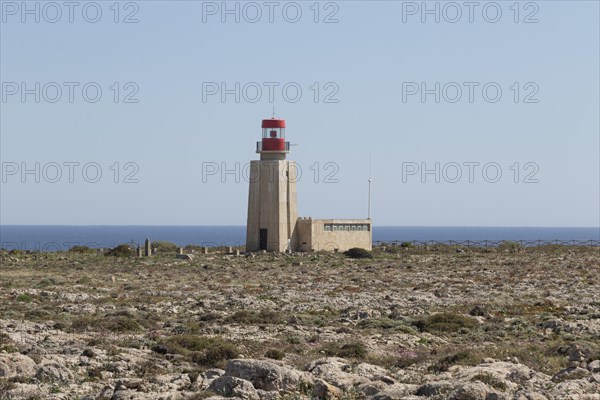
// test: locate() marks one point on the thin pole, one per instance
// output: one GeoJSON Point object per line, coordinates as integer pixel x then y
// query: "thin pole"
{"type": "Point", "coordinates": [369, 215]}
{"type": "Point", "coordinates": [370, 180]}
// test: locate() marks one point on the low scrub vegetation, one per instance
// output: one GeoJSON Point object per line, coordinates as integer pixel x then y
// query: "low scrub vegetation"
{"type": "Point", "coordinates": [202, 350]}
{"type": "Point", "coordinates": [357, 252]}
{"type": "Point", "coordinates": [385, 324]}
{"type": "Point", "coordinates": [256, 317]}
{"type": "Point", "coordinates": [122, 250]}
{"type": "Point", "coordinates": [445, 322]}
{"type": "Point", "coordinates": [82, 249]}
{"type": "Point", "coordinates": [111, 323]}
{"type": "Point", "coordinates": [24, 298]}
{"type": "Point", "coordinates": [164, 247]}
{"type": "Point", "coordinates": [347, 350]}
{"type": "Point", "coordinates": [426, 309]}
{"type": "Point", "coordinates": [490, 380]}
{"type": "Point", "coordinates": [275, 354]}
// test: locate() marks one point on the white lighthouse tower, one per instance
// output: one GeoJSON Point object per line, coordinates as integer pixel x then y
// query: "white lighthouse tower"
{"type": "Point", "coordinates": [272, 200]}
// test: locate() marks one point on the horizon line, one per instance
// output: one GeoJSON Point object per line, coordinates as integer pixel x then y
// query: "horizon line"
{"type": "Point", "coordinates": [378, 226]}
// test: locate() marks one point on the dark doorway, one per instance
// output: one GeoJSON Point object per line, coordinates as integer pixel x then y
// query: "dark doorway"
{"type": "Point", "coordinates": [263, 239]}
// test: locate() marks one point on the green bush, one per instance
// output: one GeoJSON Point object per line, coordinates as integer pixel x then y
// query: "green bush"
{"type": "Point", "coordinates": [215, 355]}
{"type": "Point", "coordinates": [6, 344]}
{"type": "Point", "coordinates": [82, 249]}
{"type": "Point", "coordinates": [210, 316]}
{"type": "Point", "coordinates": [445, 322]}
{"type": "Point", "coordinates": [385, 324]}
{"type": "Point", "coordinates": [352, 350]}
{"type": "Point", "coordinates": [47, 282]}
{"type": "Point", "coordinates": [122, 324]}
{"type": "Point", "coordinates": [180, 344]}
{"type": "Point", "coordinates": [463, 357]}
{"type": "Point", "coordinates": [347, 350]}
{"type": "Point", "coordinates": [508, 246]}
{"type": "Point", "coordinates": [112, 323]}
{"type": "Point", "coordinates": [24, 298]}
{"type": "Point", "coordinates": [4, 339]}
{"type": "Point", "coordinates": [254, 317]}
{"type": "Point", "coordinates": [357, 252]}
{"type": "Point", "coordinates": [202, 350]}
{"type": "Point", "coordinates": [164, 247]}
{"type": "Point", "coordinates": [275, 354]}
{"type": "Point", "coordinates": [122, 250]}
{"type": "Point", "coordinates": [490, 380]}
{"type": "Point", "coordinates": [192, 248]}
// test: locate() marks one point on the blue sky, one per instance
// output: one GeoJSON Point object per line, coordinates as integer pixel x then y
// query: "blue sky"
{"type": "Point", "coordinates": [364, 66]}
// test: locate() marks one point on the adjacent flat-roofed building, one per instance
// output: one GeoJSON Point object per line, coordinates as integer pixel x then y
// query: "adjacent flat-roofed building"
{"type": "Point", "coordinates": [273, 222]}
{"type": "Point", "coordinates": [333, 234]}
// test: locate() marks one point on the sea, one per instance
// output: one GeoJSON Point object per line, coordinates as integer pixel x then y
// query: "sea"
{"type": "Point", "coordinates": [62, 237]}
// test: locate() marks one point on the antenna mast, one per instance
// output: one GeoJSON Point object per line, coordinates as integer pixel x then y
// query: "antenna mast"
{"type": "Point", "coordinates": [370, 180]}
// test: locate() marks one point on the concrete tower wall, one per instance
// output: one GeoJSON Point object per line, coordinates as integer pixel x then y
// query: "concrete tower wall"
{"type": "Point", "coordinates": [272, 205]}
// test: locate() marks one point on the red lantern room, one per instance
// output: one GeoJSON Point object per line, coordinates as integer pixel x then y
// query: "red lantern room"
{"type": "Point", "coordinates": [273, 137]}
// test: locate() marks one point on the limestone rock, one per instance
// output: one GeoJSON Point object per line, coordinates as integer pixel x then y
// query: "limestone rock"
{"type": "Point", "coordinates": [594, 366]}
{"type": "Point", "coordinates": [128, 394]}
{"type": "Point", "coordinates": [207, 377]}
{"type": "Point", "coordinates": [230, 386]}
{"type": "Point", "coordinates": [475, 391]}
{"type": "Point", "coordinates": [372, 372]}
{"type": "Point", "coordinates": [53, 370]}
{"type": "Point", "coordinates": [379, 390]}
{"type": "Point", "coordinates": [265, 375]}
{"type": "Point", "coordinates": [571, 373]}
{"type": "Point", "coordinates": [139, 385]}
{"type": "Point", "coordinates": [23, 391]}
{"type": "Point", "coordinates": [15, 364]}
{"type": "Point", "coordinates": [527, 395]}
{"type": "Point", "coordinates": [337, 372]}
{"type": "Point", "coordinates": [577, 389]}
{"type": "Point", "coordinates": [325, 391]}
{"type": "Point", "coordinates": [106, 393]}
{"type": "Point", "coordinates": [434, 388]}
{"type": "Point", "coordinates": [265, 395]}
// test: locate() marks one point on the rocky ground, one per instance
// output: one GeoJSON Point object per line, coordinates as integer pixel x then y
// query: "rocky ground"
{"type": "Point", "coordinates": [409, 323]}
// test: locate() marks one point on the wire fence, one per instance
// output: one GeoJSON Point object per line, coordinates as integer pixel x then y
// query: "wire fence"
{"type": "Point", "coordinates": [489, 243]}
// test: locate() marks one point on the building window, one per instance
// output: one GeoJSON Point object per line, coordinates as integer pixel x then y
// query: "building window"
{"type": "Point", "coordinates": [346, 227]}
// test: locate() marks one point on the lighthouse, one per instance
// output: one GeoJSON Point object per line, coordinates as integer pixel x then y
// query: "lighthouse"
{"type": "Point", "coordinates": [273, 223]}
{"type": "Point", "coordinates": [272, 200]}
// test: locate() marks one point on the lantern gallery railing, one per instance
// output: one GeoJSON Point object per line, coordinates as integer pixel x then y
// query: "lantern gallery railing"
{"type": "Point", "coordinates": [259, 147]}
